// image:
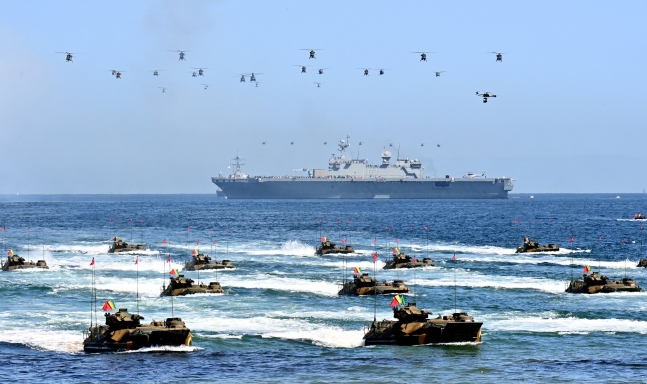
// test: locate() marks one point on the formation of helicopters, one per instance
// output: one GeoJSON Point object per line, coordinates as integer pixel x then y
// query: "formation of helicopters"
{"type": "Point", "coordinates": [360, 143]}
{"type": "Point", "coordinates": [69, 56]}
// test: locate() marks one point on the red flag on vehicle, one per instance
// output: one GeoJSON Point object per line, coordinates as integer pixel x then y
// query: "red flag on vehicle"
{"type": "Point", "coordinates": [374, 257]}
{"type": "Point", "coordinates": [375, 240]}
{"type": "Point", "coordinates": [454, 257]}
{"type": "Point", "coordinates": [92, 262]}
{"type": "Point", "coordinates": [168, 259]}
{"type": "Point", "coordinates": [414, 260]}
{"type": "Point", "coordinates": [426, 228]}
{"type": "Point", "coordinates": [188, 228]}
{"type": "Point", "coordinates": [137, 260]}
{"type": "Point", "coordinates": [164, 241]}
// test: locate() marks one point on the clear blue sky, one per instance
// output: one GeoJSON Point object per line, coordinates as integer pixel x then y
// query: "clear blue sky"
{"type": "Point", "coordinates": [569, 117]}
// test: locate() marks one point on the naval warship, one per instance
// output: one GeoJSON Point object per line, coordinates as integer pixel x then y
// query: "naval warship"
{"type": "Point", "coordinates": [348, 178]}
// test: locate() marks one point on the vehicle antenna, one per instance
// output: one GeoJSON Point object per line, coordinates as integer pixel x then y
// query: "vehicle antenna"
{"type": "Point", "coordinates": [131, 230]}
{"type": "Point", "coordinates": [42, 234]}
{"type": "Point", "coordinates": [28, 233]}
{"type": "Point", "coordinates": [375, 276]}
{"type": "Point", "coordinates": [137, 297]}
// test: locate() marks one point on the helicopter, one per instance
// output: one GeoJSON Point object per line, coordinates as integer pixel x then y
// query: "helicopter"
{"type": "Point", "coordinates": [321, 71]}
{"type": "Point", "coordinates": [360, 143]}
{"type": "Point", "coordinates": [303, 67]}
{"type": "Point", "coordinates": [325, 143]}
{"type": "Point", "coordinates": [156, 72]}
{"type": "Point", "coordinates": [499, 56]}
{"type": "Point", "coordinates": [291, 142]}
{"type": "Point", "coordinates": [194, 74]}
{"type": "Point", "coordinates": [242, 77]}
{"type": "Point", "coordinates": [485, 95]}
{"type": "Point", "coordinates": [182, 53]}
{"type": "Point", "coordinates": [382, 71]}
{"type": "Point", "coordinates": [252, 77]}
{"type": "Point", "coordinates": [365, 71]}
{"type": "Point", "coordinates": [206, 86]}
{"type": "Point", "coordinates": [312, 52]}
{"type": "Point", "coordinates": [200, 71]}
{"type": "Point", "coordinates": [438, 145]}
{"type": "Point", "coordinates": [69, 56]}
{"type": "Point", "coordinates": [263, 143]}
{"type": "Point", "coordinates": [163, 89]}
{"type": "Point", "coordinates": [422, 145]}
{"type": "Point", "coordinates": [438, 73]}
{"type": "Point", "coordinates": [423, 55]}
{"type": "Point", "coordinates": [318, 84]}
{"type": "Point", "coordinates": [116, 73]}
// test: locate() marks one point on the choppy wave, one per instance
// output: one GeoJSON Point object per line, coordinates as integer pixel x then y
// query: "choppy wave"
{"type": "Point", "coordinates": [565, 325]}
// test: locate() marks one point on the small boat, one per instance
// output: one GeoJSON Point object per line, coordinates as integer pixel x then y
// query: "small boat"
{"type": "Point", "coordinates": [119, 245]}
{"type": "Point", "coordinates": [329, 247]}
{"type": "Point", "coordinates": [596, 283]}
{"type": "Point", "coordinates": [365, 285]}
{"type": "Point", "coordinates": [639, 216]}
{"type": "Point", "coordinates": [201, 261]}
{"type": "Point", "coordinates": [16, 262]}
{"type": "Point", "coordinates": [413, 327]}
{"type": "Point", "coordinates": [180, 286]}
{"type": "Point", "coordinates": [404, 261]}
{"type": "Point", "coordinates": [124, 332]}
{"type": "Point", "coordinates": [530, 246]}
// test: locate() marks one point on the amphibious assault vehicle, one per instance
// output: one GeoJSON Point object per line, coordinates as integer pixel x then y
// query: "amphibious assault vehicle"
{"type": "Point", "coordinates": [180, 286]}
{"type": "Point", "coordinates": [404, 261]}
{"type": "Point", "coordinates": [365, 285]}
{"type": "Point", "coordinates": [642, 263]}
{"type": "Point", "coordinates": [123, 331]}
{"type": "Point", "coordinates": [414, 328]}
{"type": "Point", "coordinates": [16, 262]}
{"type": "Point", "coordinates": [119, 245]}
{"type": "Point", "coordinates": [201, 261]}
{"type": "Point", "coordinates": [329, 247]}
{"type": "Point", "coordinates": [596, 283]}
{"type": "Point", "coordinates": [533, 246]}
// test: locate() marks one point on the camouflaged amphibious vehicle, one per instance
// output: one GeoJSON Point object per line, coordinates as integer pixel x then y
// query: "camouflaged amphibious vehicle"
{"type": "Point", "coordinates": [530, 246]}
{"type": "Point", "coordinates": [201, 261]}
{"type": "Point", "coordinates": [181, 286]}
{"type": "Point", "coordinates": [329, 247]}
{"type": "Point", "coordinates": [365, 285]}
{"type": "Point", "coordinates": [413, 327]}
{"type": "Point", "coordinates": [596, 283]}
{"type": "Point", "coordinates": [404, 261]}
{"type": "Point", "coordinates": [16, 262]}
{"type": "Point", "coordinates": [119, 245]}
{"type": "Point", "coordinates": [642, 263]}
{"type": "Point", "coordinates": [123, 331]}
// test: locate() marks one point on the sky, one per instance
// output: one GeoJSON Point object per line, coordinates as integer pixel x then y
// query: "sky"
{"type": "Point", "coordinates": [569, 116]}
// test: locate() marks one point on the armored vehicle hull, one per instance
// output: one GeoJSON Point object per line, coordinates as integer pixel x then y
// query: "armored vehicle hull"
{"type": "Point", "coordinates": [596, 283]}
{"type": "Point", "coordinates": [123, 332]}
{"type": "Point", "coordinates": [181, 286]}
{"type": "Point", "coordinates": [642, 263]}
{"type": "Point", "coordinates": [418, 330]}
{"type": "Point", "coordinates": [348, 178]}
{"type": "Point", "coordinates": [201, 262]}
{"type": "Point", "coordinates": [16, 262]}
{"type": "Point", "coordinates": [404, 261]}
{"type": "Point", "coordinates": [365, 285]}
{"type": "Point", "coordinates": [530, 246]}
{"type": "Point", "coordinates": [121, 246]}
{"type": "Point", "coordinates": [329, 247]}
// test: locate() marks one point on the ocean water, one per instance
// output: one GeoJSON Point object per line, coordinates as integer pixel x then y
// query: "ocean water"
{"type": "Point", "coordinates": [281, 319]}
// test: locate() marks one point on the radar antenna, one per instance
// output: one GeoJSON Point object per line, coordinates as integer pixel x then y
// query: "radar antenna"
{"type": "Point", "coordinates": [238, 172]}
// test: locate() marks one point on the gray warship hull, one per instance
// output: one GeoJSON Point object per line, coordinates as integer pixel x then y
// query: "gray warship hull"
{"type": "Point", "coordinates": [356, 188]}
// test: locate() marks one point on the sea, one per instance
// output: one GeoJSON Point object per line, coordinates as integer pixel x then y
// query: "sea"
{"type": "Point", "coordinates": [281, 319]}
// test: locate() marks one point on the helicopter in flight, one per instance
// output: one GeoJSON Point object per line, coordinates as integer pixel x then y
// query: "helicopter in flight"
{"type": "Point", "coordinates": [325, 143]}
{"type": "Point", "coordinates": [499, 56]}
{"type": "Point", "coordinates": [360, 143]}
{"type": "Point", "coordinates": [321, 71]}
{"type": "Point", "coordinates": [200, 71]}
{"type": "Point", "coordinates": [438, 73]}
{"type": "Point", "coordinates": [157, 72]}
{"type": "Point", "coordinates": [365, 71]}
{"type": "Point", "coordinates": [485, 95]}
{"type": "Point", "coordinates": [252, 77]}
{"type": "Point", "coordinates": [182, 53]}
{"type": "Point", "coordinates": [291, 142]}
{"type": "Point", "coordinates": [382, 71]}
{"type": "Point", "coordinates": [163, 89]}
{"type": "Point", "coordinates": [116, 73]}
{"type": "Point", "coordinates": [206, 86]}
{"type": "Point", "coordinates": [242, 77]}
{"type": "Point", "coordinates": [318, 84]}
{"type": "Point", "coordinates": [312, 52]}
{"type": "Point", "coordinates": [423, 55]}
{"type": "Point", "coordinates": [69, 56]}
{"type": "Point", "coordinates": [263, 143]}
{"type": "Point", "coordinates": [303, 67]}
